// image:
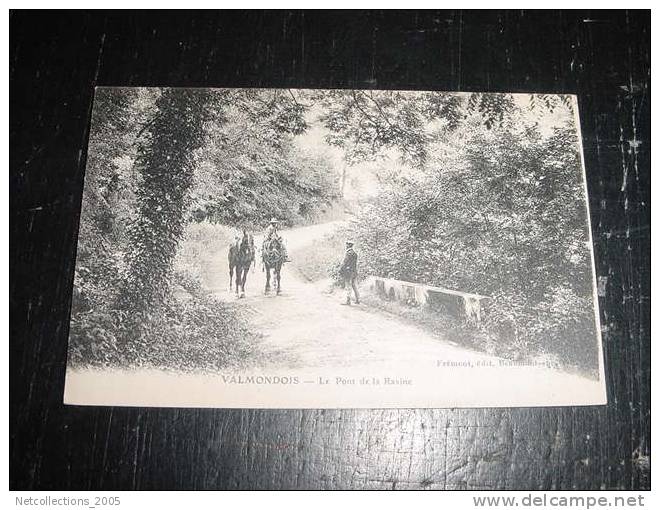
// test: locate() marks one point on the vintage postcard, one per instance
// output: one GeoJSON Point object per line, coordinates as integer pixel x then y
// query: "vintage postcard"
{"type": "Point", "coordinates": [285, 248]}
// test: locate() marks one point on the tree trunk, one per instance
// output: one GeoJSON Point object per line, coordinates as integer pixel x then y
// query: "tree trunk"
{"type": "Point", "coordinates": [165, 164]}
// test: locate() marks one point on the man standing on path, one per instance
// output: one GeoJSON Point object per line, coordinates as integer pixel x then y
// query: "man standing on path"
{"type": "Point", "coordinates": [348, 272]}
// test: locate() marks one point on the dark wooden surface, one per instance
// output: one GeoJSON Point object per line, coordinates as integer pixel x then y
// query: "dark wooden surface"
{"type": "Point", "coordinates": [55, 61]}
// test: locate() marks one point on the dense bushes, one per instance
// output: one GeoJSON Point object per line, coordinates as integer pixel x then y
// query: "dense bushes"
{"type": "Point", "coordinates": [251, 169]}
{"type": "Point", "coordinates": [199, 333]}
{"type": "Point", "coordinates": [499, 212]}
{"type": "Point", "coordinates": [247, 188]}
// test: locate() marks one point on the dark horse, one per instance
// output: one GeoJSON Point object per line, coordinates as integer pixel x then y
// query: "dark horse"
{"type": "Point", "coordinates": [273, 257]}
{"type": "Point", "coordinates": [241, 255]}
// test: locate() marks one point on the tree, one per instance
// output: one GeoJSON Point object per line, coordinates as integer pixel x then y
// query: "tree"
{"type": "Point", "coordinates": [251, 169]}
{"type": "Point", "coordinates": [371, 124]}
{"type": "Point", "coordinates": [165, 163]}
{"type": "Point", "coordinates": [498, 211]}
{"type": "Point", "coordinates": [367, 124]}
{"type": "Point", "coordinates": [107, 196]}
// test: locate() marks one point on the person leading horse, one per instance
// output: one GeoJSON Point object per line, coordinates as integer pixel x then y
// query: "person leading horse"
{"type": "Point", "coordinates": [273, 254]}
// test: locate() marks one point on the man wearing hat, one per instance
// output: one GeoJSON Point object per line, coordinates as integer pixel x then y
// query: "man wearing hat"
{"type": "Point", "coordinates": [348, 273]}
{"type": "Point", "coordinates": [272, 233]}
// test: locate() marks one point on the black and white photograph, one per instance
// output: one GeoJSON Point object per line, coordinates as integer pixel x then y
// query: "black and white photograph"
{"type": "Point", "coordinates": [334, 248]}
{"type": "Point", "coordinates": [330, 249]}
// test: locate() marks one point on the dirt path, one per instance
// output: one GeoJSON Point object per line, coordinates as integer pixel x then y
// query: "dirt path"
{"type": "Point", "coordinates": [309, 328]}
{"type": "Point", "coordinates": [308, 333]}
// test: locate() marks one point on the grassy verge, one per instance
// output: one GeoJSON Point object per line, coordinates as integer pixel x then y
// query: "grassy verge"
{"type": "Point", "coordinates": [203, 253]}
{"type": "Point", "coordinates": [319, 260]}
{"type": "Point", "coordinates": [197, 333]}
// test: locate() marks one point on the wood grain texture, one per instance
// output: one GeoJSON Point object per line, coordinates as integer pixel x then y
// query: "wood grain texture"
{"type": "Point", "coordinates": [56, 59]}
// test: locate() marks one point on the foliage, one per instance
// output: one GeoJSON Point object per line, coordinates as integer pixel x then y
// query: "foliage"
{"type": "Point", "coordinates": [200, 334]}
{"type": "Point", "coordinates": [496, 211]}
{"type": "Point", "coordinates": [144, 162]}
{"type": "Point", "coordinates": [108, 198]}
{"type": "Point", "coordinates": [246, 184]}
{"type": "Point", "coordinates": [367, 123]}
{"type": "Point", "coordinates": [203, 257]}
{"type": "Point", "coordinates": [165, 163]}
{"type": "Point", "coordinates": [372, 124]}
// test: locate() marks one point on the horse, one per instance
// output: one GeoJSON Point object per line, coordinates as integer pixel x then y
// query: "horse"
{"type": "Point", "coordinates": [272, 256]}
{"type": "Point", "coordinates": [241, 255]}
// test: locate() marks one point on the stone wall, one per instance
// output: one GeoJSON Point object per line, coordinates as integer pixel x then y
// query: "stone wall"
{"type": "Point", "coordinates": [463, 305]}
